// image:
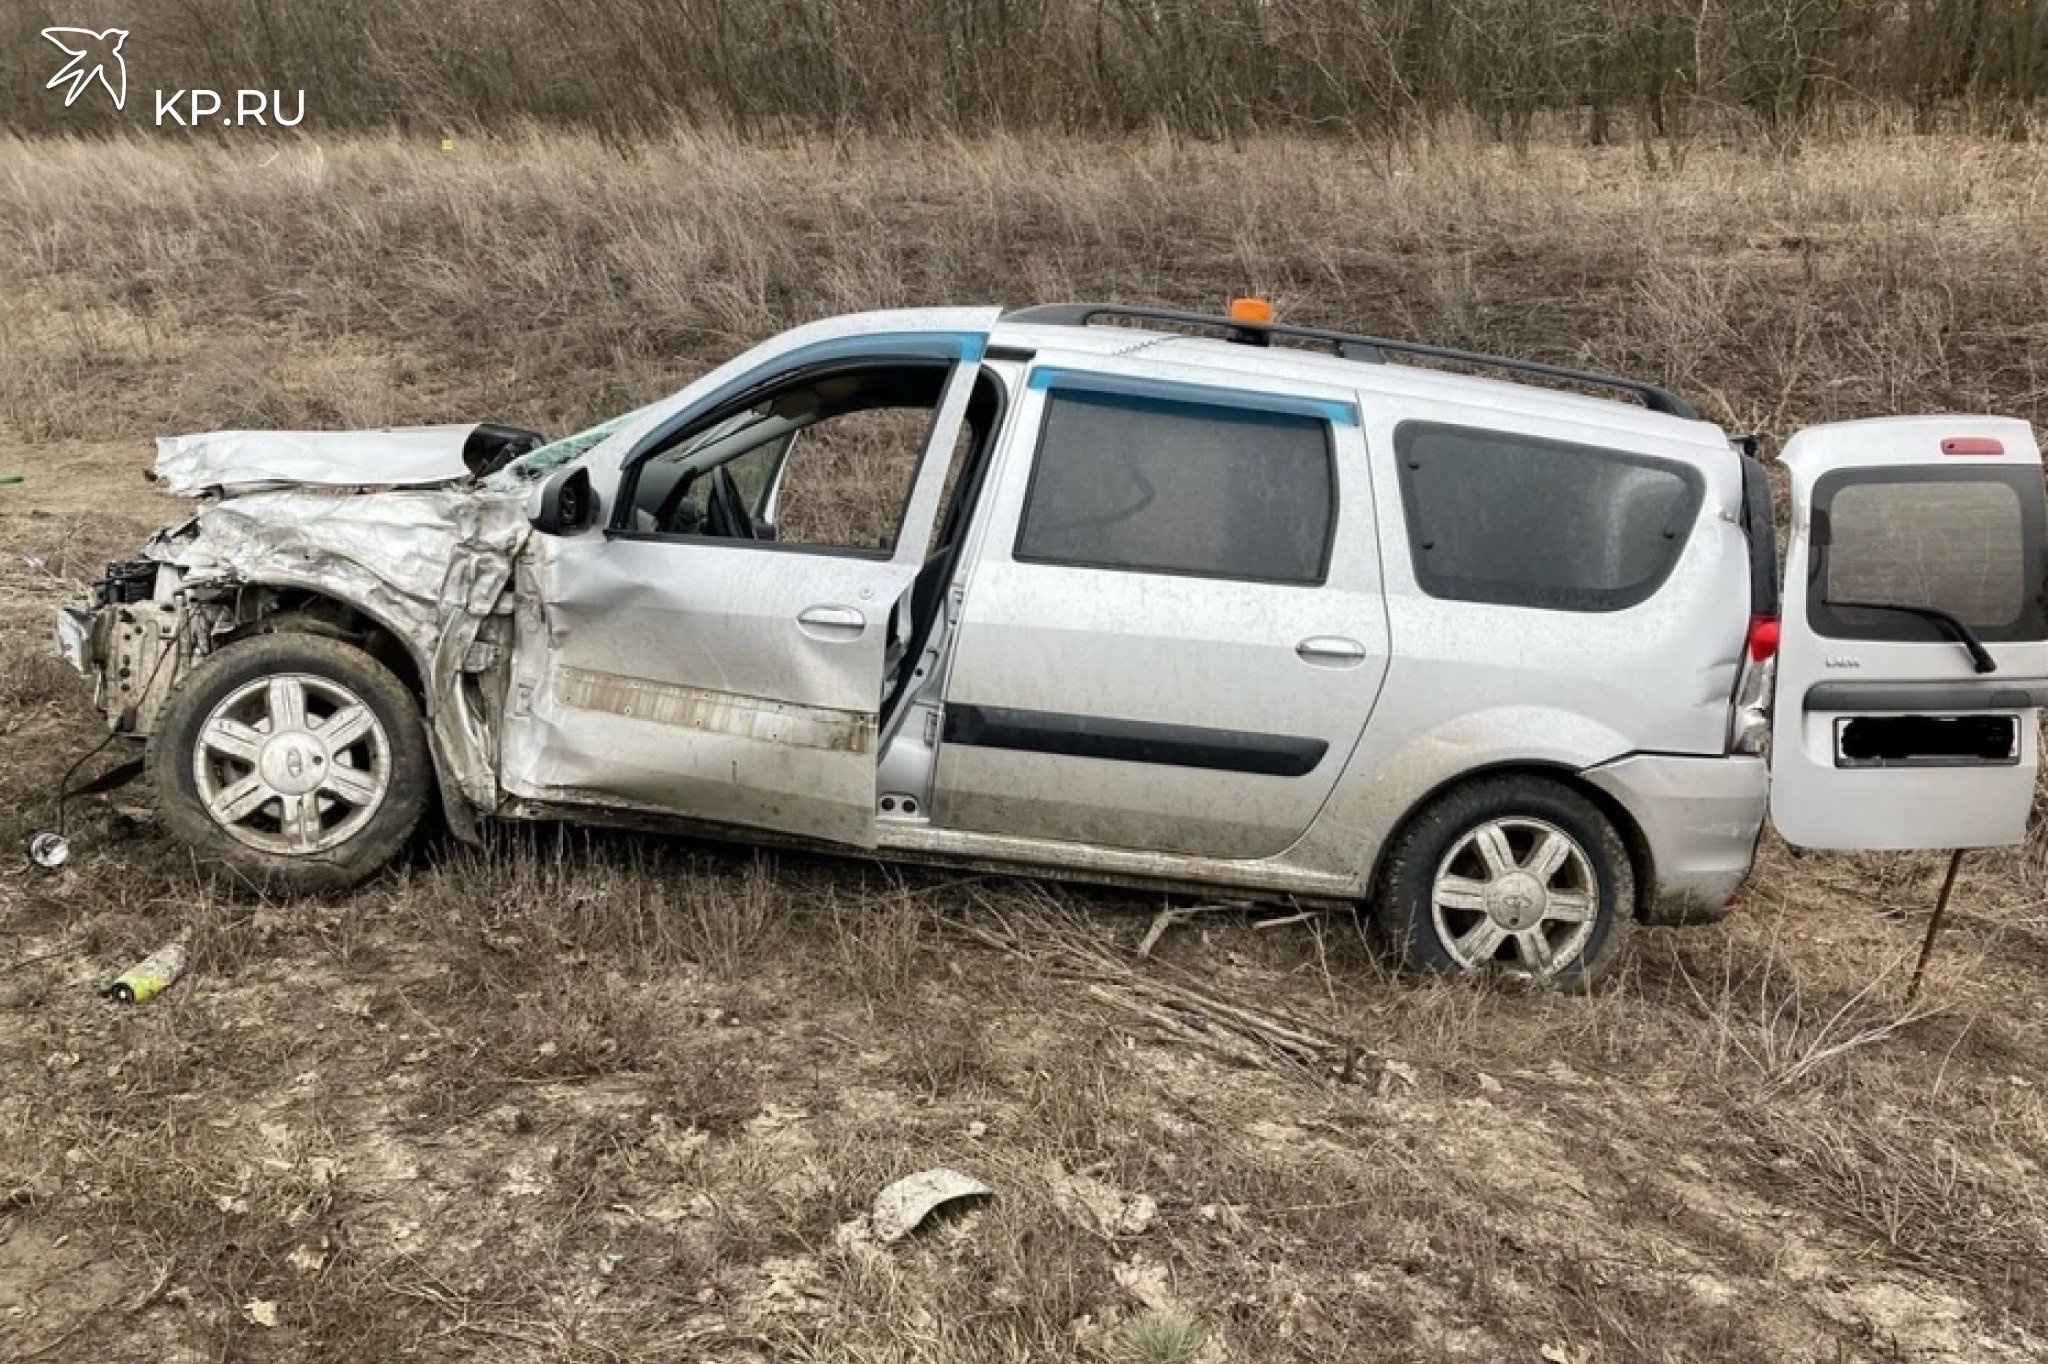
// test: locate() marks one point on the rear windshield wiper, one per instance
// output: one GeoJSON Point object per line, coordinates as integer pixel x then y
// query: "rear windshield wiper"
{"type": "Point", "coordinates": [1947, 620]}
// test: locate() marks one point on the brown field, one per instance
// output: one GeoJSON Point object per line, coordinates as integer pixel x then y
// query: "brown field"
{"type": "Point", "coordinates": [598, 1098]}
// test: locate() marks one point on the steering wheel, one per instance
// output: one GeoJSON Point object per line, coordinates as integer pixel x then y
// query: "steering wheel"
{"type": "Point", "coordinates": [727, 514]}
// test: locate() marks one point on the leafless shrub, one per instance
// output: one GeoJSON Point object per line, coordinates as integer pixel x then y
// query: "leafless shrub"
{"type": "Point", "coordinates": [31, 676]}
{"type": "Point", "coordinates": [875, 940]}
{"type": "Point", "coordinates": [1765, 1023]}
{"type": "Point", "coordinates": [1656, 70]}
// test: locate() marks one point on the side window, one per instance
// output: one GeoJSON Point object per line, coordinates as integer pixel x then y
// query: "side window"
{"type": "Point", "coordinates": [1167, 486]}
{"type": "Point", "coordinates": [1965, 542]}
{"type": "Point", "coordinates": [848, 477]}
{"type": "Point", "coordinates": [825, 460]}
{"type": "Point", "coordinates": [754, 473]}
{"type": "Point", "coordinates": [1524, 521]}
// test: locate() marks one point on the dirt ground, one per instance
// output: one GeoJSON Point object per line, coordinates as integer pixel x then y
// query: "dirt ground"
{"type": "Point", "coordinates": [596, 1097]}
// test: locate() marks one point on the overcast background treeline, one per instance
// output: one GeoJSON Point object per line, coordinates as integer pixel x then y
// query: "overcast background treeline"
{"type": "Point", "coordinates": [1614, 68]}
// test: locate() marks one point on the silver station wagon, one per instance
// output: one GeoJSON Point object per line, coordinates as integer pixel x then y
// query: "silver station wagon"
{"type": "Point", "coordinates": [1119, 594]}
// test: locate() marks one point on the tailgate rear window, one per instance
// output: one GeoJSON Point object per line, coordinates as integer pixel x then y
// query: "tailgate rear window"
{"type": "Point", "coordinates": [1968, 542]}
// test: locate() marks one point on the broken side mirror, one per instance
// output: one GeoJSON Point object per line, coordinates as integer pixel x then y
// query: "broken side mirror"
{"type": "Point", "coordinates": [568, 503]}
{"type": "Point", "coordinates": [490, 447]}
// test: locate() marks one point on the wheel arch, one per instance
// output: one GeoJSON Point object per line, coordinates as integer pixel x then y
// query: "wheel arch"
{"type": "Point", "coordinates": [1570, 778]}
{"type": "Point", "coordinates": [295, 607]}
{"type": "Point", "coordinates": [285, 605]}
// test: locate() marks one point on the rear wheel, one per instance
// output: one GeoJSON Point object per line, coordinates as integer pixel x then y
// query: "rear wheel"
{"type": "Point", "coordinates": [297, 761]}
{"type": "Point", "coordinates": [1514, 874]}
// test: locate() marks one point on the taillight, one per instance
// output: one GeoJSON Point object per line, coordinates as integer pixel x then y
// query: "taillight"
{"type": "Point", "coordinates": [1973, 445]}
{"type": "Point", "coordinates": [1749, 715]}
{"type": "Point", "coordinates": [1763, 638]}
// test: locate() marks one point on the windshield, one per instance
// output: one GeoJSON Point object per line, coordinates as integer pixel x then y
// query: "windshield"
{"type": "Point", "coordinates": [552, 456]}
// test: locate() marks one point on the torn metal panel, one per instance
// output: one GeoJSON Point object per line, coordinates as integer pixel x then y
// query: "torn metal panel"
{"type": "Point", "coordinates": [72, 631]}
{"type": "Point", "coordinates": [428, 565]}
{"type": "Point", "coordinates": [600, 760]}
{"type": "Point", "coordinates": [141, 643]}
{"type": "Point", "coordinates": [404, 558]}
{"type": "Point", "coordinates": [395, 456]}
{"type": "Point", "coordinates": [904, 1206]}
{"type": "Point", "coordinates": [601, 763]}
{"type": "Point", "coordinates": [749, 717]}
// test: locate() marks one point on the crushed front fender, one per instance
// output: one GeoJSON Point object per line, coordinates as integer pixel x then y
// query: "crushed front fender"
{"type": "Point", "coordinates": [429, 566]}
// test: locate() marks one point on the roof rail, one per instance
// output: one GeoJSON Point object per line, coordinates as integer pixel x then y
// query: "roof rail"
{"type": "Point", "coordinates": [1350, 346]}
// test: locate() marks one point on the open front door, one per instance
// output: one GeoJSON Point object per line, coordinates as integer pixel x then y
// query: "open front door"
{"type": "Point", "coordinates": [1914, 656]}
{"type": "Point", "coordinates": [721, 650]}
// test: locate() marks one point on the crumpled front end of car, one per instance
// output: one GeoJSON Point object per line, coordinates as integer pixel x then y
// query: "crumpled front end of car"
{"type": "Point", "coordinates": [425, 569]}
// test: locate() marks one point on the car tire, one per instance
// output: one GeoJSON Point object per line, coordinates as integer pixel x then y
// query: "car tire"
{"type": "Point", "coordinates": [292, 762]}
{"type": "Point", "coordinates": [1515, 874]}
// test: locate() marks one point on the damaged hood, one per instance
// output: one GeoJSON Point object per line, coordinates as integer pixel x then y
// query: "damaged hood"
{"type": "Point", "coordinates": [389, 457]}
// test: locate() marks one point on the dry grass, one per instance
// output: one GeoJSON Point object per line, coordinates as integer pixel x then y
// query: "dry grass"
{"type": "Point", "coordinates": [596, 1097]}
{"type": "Point", "coordinates": [552, 281]}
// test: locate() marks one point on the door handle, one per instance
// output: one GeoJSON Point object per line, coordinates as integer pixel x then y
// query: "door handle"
{"type": "Point", "coordinates": [1331, 651]}
{"type": "Point", "coordinates": [831, 622]}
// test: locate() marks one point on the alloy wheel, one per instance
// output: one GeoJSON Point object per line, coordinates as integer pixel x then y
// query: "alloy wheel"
{"type": "Point", "coordinates": [1516, 891]}
{"type": "Point", "coordinates": [293, 763]}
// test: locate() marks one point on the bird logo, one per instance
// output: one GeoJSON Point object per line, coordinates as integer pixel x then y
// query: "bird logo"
{"type": "Point", "coordinates": [92, 55]}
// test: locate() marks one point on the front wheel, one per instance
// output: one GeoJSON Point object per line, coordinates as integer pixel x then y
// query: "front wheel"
{"type": "Point", "coordinates": [1516, 874]}
{"type": "Point", "coordinates": [296, 761]}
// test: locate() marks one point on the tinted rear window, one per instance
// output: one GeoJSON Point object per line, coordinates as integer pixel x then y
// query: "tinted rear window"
{"type": "Point", "coordinates": [1523, 521]}
{"type": "Point", "coordinates": [1965, 542]}
{"type": "Point", "coordinates": [1164, 486]}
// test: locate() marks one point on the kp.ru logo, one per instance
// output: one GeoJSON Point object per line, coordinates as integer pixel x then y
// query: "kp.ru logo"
{"type": "Point", "coordinates": [92, 55]}
{"type": "Point", "coordinates": [97, 56]}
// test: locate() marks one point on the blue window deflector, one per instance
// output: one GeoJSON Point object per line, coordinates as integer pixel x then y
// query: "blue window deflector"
{"type": "Point", "coordinates": [961, 347]}
{"type": "Point", "coordinates": [1166, 390]}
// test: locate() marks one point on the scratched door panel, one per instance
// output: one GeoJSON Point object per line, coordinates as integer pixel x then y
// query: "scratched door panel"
{"type": "Point", "coordinates": [694, 659]}
{"type": "Point", "coordinates": [683, 680]}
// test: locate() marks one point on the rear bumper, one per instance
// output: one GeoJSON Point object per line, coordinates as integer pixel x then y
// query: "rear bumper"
{"type": "Point", "coordinates": [1700, 817]}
